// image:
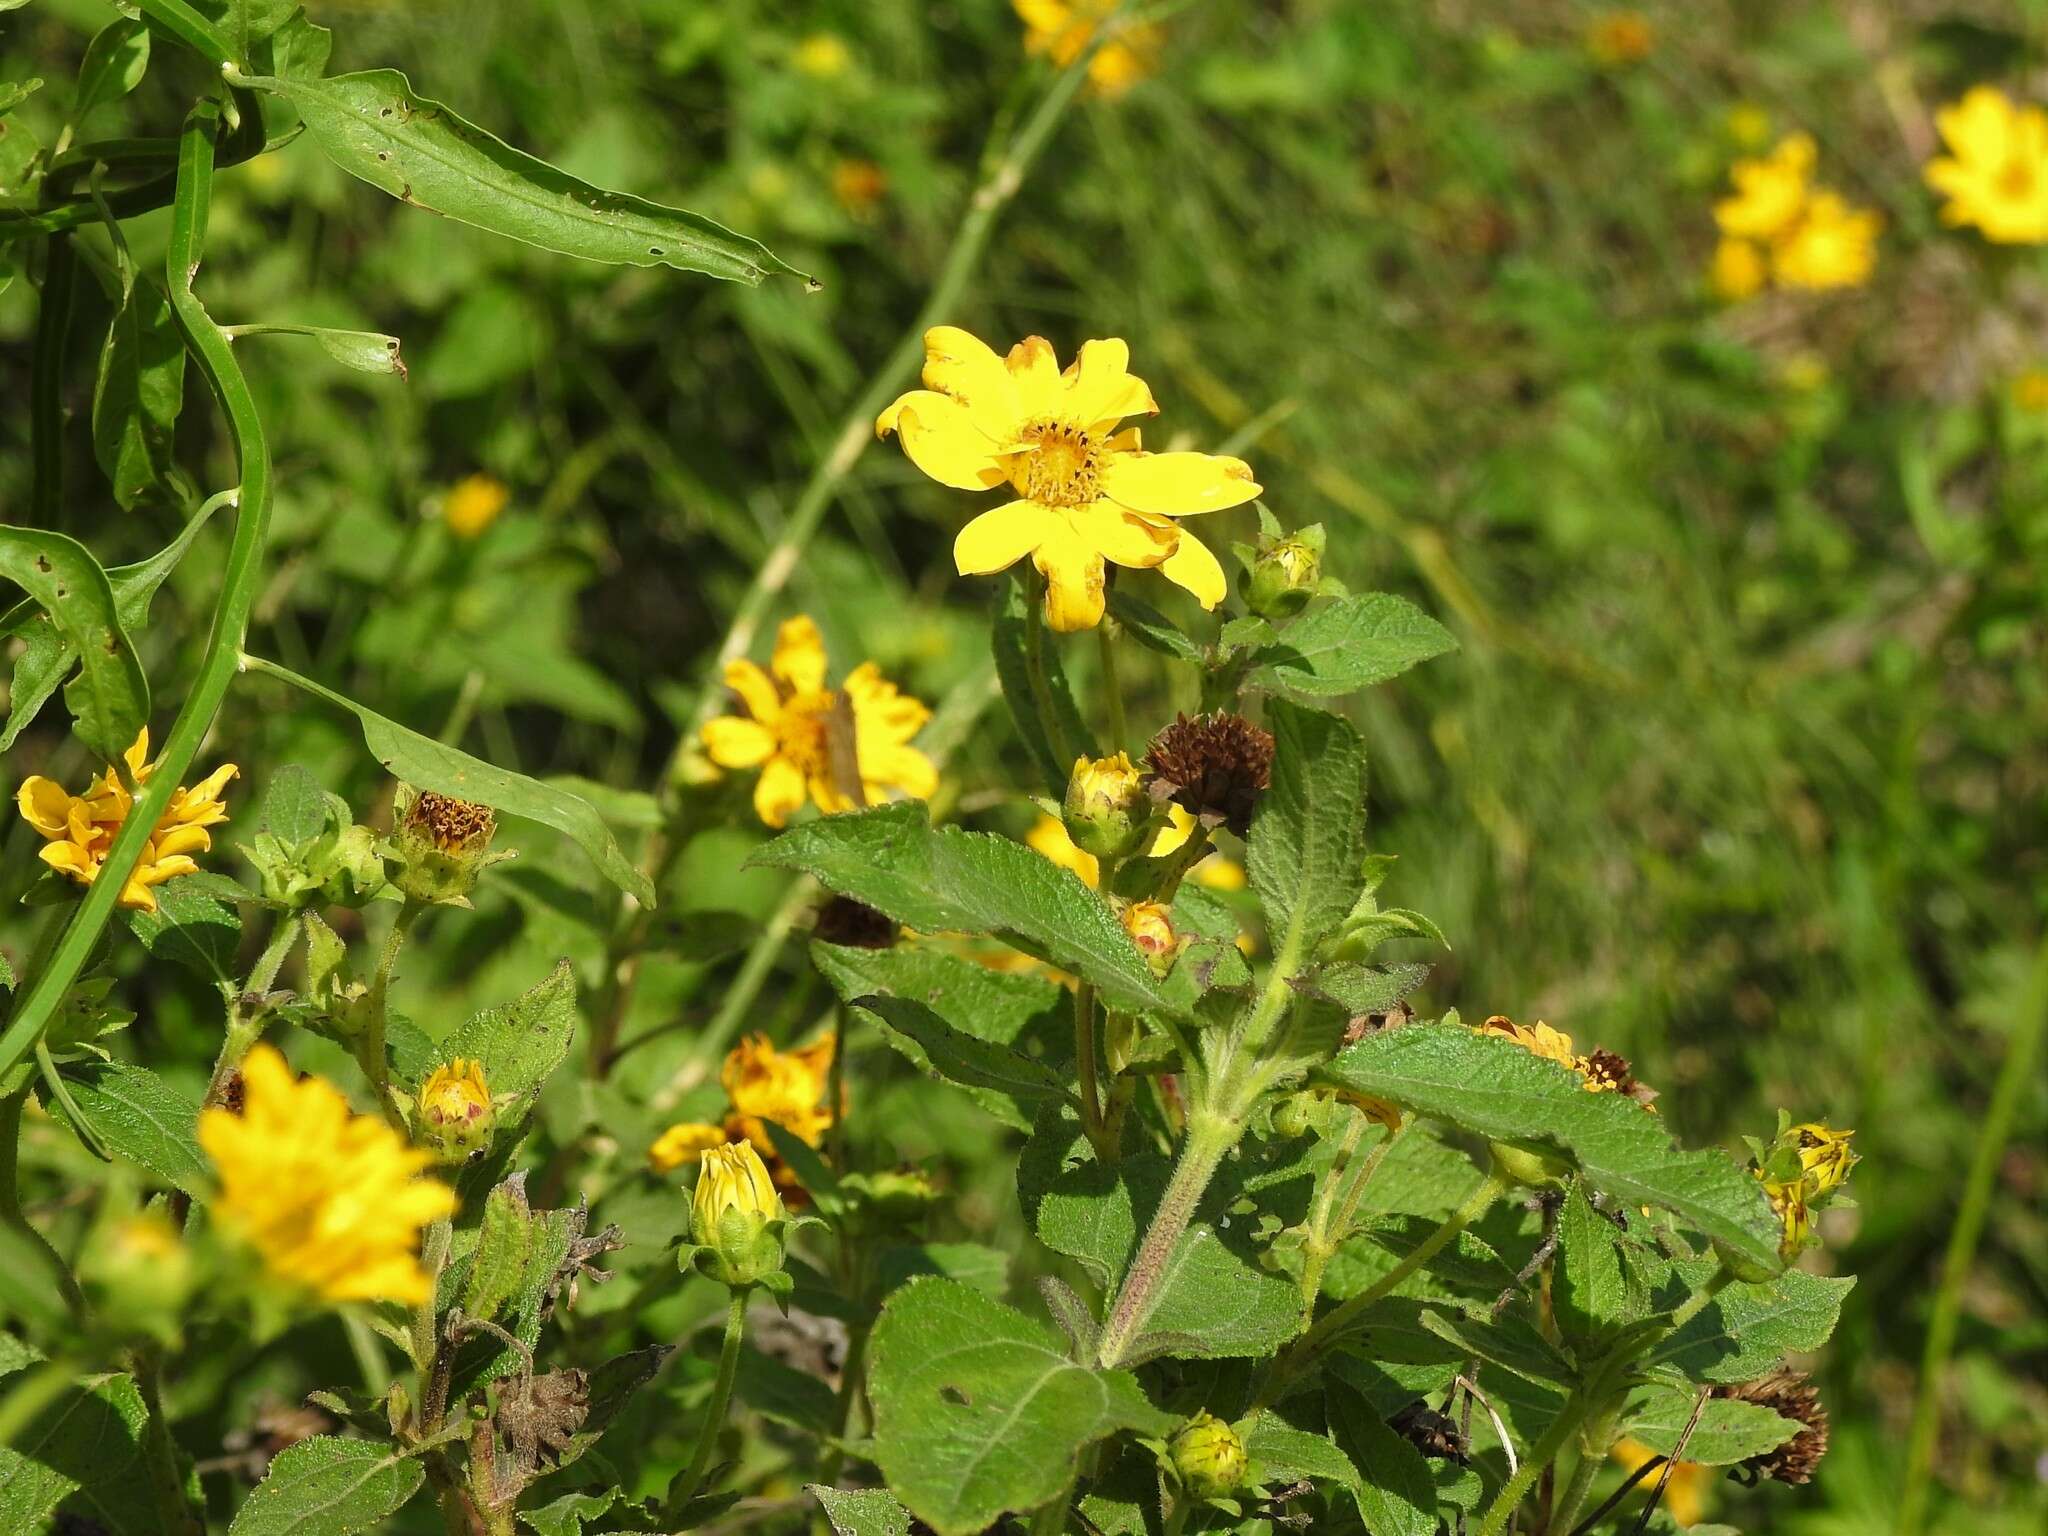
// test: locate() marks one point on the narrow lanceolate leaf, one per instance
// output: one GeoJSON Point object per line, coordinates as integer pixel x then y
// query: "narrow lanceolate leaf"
{"type": "Point", "coordinates": [144, 1119]}
{"type": "Point", "coordinates": [327, 1486]}
{"type": "Point", "coordinates": [1353, 643]}
{"type": "Point", "coordinates": [1396, 1493]}
{"type": "Point", "coordinates": [109, 698]}
{"type": "Point", "coordinates": [961, 1058]}
{"type": "Point", "coordinates": [140, 390]}
{"type": "Point", "coordinates": [1495, 1089]}
{"type": "Point", "coordinates": [979, 1410]}
{"type": "Point", "coordinates": [1306, 855]}
{"type": "Point", "coordinates": [376, 128]}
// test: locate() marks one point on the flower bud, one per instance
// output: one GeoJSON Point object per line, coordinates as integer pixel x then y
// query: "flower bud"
{"type": "Point", "coordinates": [1208, 1456]}
{"type": "Point", "coordinates": [456, 1115]}
{"type": "Point", "coordinates": [1286, 574]}
{"type": "Point", "coordinates": [1824, 1156]}
{"type": "Point", "coordinates": [441, 846]}
{"type": "Point", "coordinates": [1105, 809]}
{"type": "Point", "coordinates": [1530, 1166]}
{"type": "Point", "coordinates": [1151, 929]}
{"type": "Point", "coordinates": [737, 1215]}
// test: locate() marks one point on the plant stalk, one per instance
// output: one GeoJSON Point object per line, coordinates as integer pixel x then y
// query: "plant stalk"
{"type": "Point", "coordinates": [1210, 1138]}
{"type": "Point", "coordinates": [721, 1395]}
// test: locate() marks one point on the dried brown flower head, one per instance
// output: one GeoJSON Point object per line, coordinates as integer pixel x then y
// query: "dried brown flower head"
{"type": "Point", "coordinates": [842, 920]}
{"type": "Point", "coordinates": [451, 825]}
{"type": "Point", "coordinates": [1607, 1069]}
{"type": "Point", "coordinates": [1214, 767]}
{"type": "Point", "coordinates": [1791, 1395]}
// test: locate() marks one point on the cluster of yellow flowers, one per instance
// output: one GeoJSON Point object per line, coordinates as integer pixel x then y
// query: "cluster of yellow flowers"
{"type": "Point", "coordinates": [1779, 227]}
{"type": "Point", "coordinates": [1049, 837]}
{"type": "Point", "coordinates": [838, 749]}
{"type": "Point", "coordinates": [762, 1084]}
{"type": "Point", "coordinates": [1063, 29]}
{"type": "Point", "coordinates": [77, 830]}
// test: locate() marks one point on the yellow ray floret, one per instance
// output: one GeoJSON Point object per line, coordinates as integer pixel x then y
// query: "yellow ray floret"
{"type": "Point", "coordinates": [330, 1201]}
{"type": "Point", "coordinates": [787, 1087]}
{"type": "Point", "coordinates": [77, 830]}
{"type": "Point", "coordinates": [1061, 29]}
{"type": "Point", "coordinates": [1995, 174]}
{"type": "Point", "coordinates": [1088, 495]}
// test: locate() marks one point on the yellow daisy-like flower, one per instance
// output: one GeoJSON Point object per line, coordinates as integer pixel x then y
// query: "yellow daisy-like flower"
{"type": "Point", "coordinates": [1088, 493]}
{"type": "Point", "coordinates": [1770, 192]}
{"type": "Point", "coordinates": [1551, 1044]}
{"type": "Point", "coordinates": [78, 830]}
{"type": "Point", "coordinates": [474, 504]}
{"type": "Point", "coordinates": [683, 1143]}
{"type": "Point", "coordinates": [330, 1201]}
{"type": "Point", "coordinates": [838, 749]}
{"type": "Point", "coordinates": [1739, 270]}
{"type": "Point", "coordinates": [1061, 29]}
{"type": "Point", "coordinates": [1685, 1495]}
{"type": "Point", "coordinates": [2030, 391]}
{"type": "Point", "coordinates": [1834, 245]}
{"type": "Point", "coordinates": [787, 1087]}
{"type": "Point", "coordinates": [1824, 1156]}
{"type": "Point", "coordinates": [1779, 226]}
{"type": "Point", "coordinates": [1995, 174]}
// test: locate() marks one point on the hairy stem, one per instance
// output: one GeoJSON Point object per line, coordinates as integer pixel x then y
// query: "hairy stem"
{"type": "Point", "coordinates": [1210, 1137]}
{"type": "Point", "coordinates": [245, 1028]}
{"type": "Point", "coordinates": [1690, 1307]}
{"type": "Point", "coordinates": [370, 1052]}
{"type": "Point", "coordinates": [721, 1395]}
{"type": "Point", "coordinates": [1105, 645]}
{"type": "Point", "coordinates": [1085, 1051]}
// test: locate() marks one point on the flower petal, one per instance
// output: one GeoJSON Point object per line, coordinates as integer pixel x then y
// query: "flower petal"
{"type": "Point", "coordinates": [779, 791]}
{"type": "Point", "coordinates": [960, 364]}
{"type": "Point", "coordinates": [734, 743]}
{"type": "Point", "coordinates": [1178, 484]}
{"type": "Point", "coordinates": [941, 438]}
{"type": "Point", "coordinates": [1101, 388]}
{"type": "Point", "coordinates": [45, 805]}
{"type": "Point", "coordinates": [1121, 536]}
{"type": "Point", "coordinates": [755, 690]}
{"type": "Point", "coordinates": [1074, 581]}
{"type": "Point", "coordinates": [1193, 567]}
{"type": "Point", "coordinates": [799, 658]}
{"type": "Point", "coordinates": [1037, 371]}
{"type": "Point", "coordinates": [1001, 536]}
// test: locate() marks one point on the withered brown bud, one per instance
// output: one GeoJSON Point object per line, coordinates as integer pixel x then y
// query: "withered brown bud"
{"type": "Point", "coordinates": [1431, 1433]}
{"type": "Point", "coordinates": [842, 920]}
{"type": "Point", "coordinates": [1214, 767]}
{"type": "Point", "coordinates": [451, 825]}
{"type": "Point", "coordinates": [1791, 1395]}
{"type": "Point", "coordinates": [234, 1095]}
{"type": "Point", "coordinates": [1607, 1069]}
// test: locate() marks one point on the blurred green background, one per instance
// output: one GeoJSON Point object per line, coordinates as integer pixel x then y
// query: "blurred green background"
{"type": "Point", "coordinates": [1742, 766]}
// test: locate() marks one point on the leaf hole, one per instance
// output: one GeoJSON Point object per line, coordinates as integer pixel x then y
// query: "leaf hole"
{"type": "Point", "coordinates": [43, 564]}
{"type": "Point", "coordinates": [956, 1397]}
{"type": "Point", "coordinates": [654, 250]}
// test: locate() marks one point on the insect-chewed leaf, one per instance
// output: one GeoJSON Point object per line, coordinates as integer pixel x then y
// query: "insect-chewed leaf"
{"type": "Point", "coordinates": [109, 698]}
{"type": "Point", "coordinates": [375, 127]}
{"type": "Point", "coordinates": [1347, 645]}
{"type": "Point", "coordinates": [863, 1512]}
{"type": "Point", "coordinates": [328, 1486]}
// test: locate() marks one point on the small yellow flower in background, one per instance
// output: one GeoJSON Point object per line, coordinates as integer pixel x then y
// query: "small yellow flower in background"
{"type": "Point", "coordinates": [1804, 372]}
{"type": "Point", "coordinates": [839, 750]}
{"type": "Point", "coordinates": [1739, 270]}
{"type": "Point", "coordinates": [732, 1179]}
{"type": "Point", "coordinates": [1216, 873]}
{"type": "Point", "coordinates": [1089, 494]}
{"type": "Point", "coordinates": [2030, 390]}
{"type": "Point", "coordinates": [1048, 837]}
{"type": "Point", "coordinates": [1769, 193]}
{"type": "Point", "coordinates": [1779, 226]}
{"type": "Point", "coordinates": [822, 56]}
{"type": "Point", "coordinates": [1685, 1496]}
{"type": "Point", "coordinates": [1620, 37]}
{"type": "Point", "coordinates": [1747, 125]}
{"type": "Point", "coordinates": [1061, 29]}
{"type": "Point", "coordinates": [455, 1108]}
{"type": "Point", "coordinates": [788, 1087]}
{"type": "Point", "coordinates": [329, 1200]}
{"type": "Point", "coordinates": [1833, 246]}
{"type": "Point", "coordinates": [683, 1143]}
{"type": "Point", "coordinates": [77, 830]}
{"type": "Point", "coordinates": [474, 504]}
{"type": "Point", "coordinates": [1995, 174]}
{"type": "Point", "coordinates": [857, 185]}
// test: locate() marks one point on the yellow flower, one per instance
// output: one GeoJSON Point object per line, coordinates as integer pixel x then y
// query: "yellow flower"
{"type": "Point", "coordinates": [1685, 1495]}
{"type": "Point", "coordinates": [1770, 193]}
{"type": "Point", "coordinates": [822, 56]}
{"type": "Point", "coordinates": [474, 504]}
{"type": "Point", "coordinates": [683, 1143]}
{"type": "Point", "coordinates": [1739, 271]}
{"type": "Point", "coordinates": [1551, 1044]}
{"type": "Point", "coordinates": [78, 830]}
{"type": "Point", "coordinates": [1061, 29]}
{"type": "Point", "coordinates": [1150, 926]}
{"type": "Point", "coordinates": [1217, 873]}
{"type": "Point", "coordinates": [1995, 175]}
{"type": "Point", "coordinates": [1824, 1156]}
{"type": "Point", "coordinates": [1789, 1201]}
{"type": "Point", "coordinates": [810, 742]}
{"type": "Point", "coordinates": [1620, 37]}
{"type": "Point", "coordinates": [1048, 837]}
{"type": "Point", "coordinates": [2030, 390]}
{"type": "Point", "coordinates": [788, 1087]}
{"type": "Point", "coordinates": [456, 1114]}
{"type": "Point", "coordinates": [1089, 493]}
{"type": "Point", "coordinates": [330, 1201]}
{"type": "Point", "coordinates": [1833, 245]}
{"type": "Point", "coordinates": [732, 1177]}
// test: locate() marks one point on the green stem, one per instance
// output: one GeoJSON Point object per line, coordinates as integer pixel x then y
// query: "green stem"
{"type": "Point", "coordinates": [370, 1052]}
{"type": "Point", "coordinates": [721, 1395]}
{"type": "Point", "coordinates": [1690, 1308]}
{"type": "Point", "coordinates": [431, 1392]}
{"type": "Point", "coordinates": [245, 1029]}
{"type": "Point", "coordinates": [2015, 1078]}
{"type": "Point", "coordinates": [1105, 645]}
{"type": "Point", "coordinates": [1594, 1442]}
{"type": "Point", "coordinates": [1503, 1507]}
{"type": "Point", "coordinates": [1034, 669]}
{"type": "Point", "coordinates": [11, 1213]}
{"type": "Point", "coordinates": [1319, 1245]}
{"type": "Point", "coordinates": [44, 993]}
{"type": "Point", "coordinates": [1085, 1051]}
{"type": "Point", "coordinates": [1210, 1137]}
{"type": "Point", "coordinates": [167, 1486]}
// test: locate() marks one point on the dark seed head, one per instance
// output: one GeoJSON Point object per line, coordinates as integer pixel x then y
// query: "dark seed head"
{"type": "Point", "coordinates": [1790, 1395]}
{"type": "Point", "coordinates": [452, 825]}
{"type": "Point", "coordinates": [1214, 767]}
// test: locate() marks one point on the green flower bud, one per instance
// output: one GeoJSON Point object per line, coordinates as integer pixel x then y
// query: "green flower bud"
{"type": "Point", "coordinates": [890, 1197]}
{"type": "Point", "coordinates": [1529, 1166]}
{"type": "Point", "coordinates": [1207, 1456]}
{"type": "Point", "coordinates": [1286, 574]}
{"type": "Point", "coordinates": [140, 1274]}
{"type": "Point", "coordinates": [441, 846]}
{"type": "Point", "coordinates": [1106, 810]}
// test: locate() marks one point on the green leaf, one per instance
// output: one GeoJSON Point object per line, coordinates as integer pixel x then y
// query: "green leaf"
{"type": "Point", "coordinates": [1053, 742]}
{"type": "Point", "coordinates": [986, 1269]}
{"type": "Point", "coordinates": [1746, 1329]}
{"type": "Point", "coordinates": [979, 1411]}
{"type": "Point", "coordinates": [1508, 1340]}
{"type": "Point", "coordinates": [192, 925]}
{"type": "Point", "coordinates": [1592, 1296]}
{"type": "Point", "coordinates": [327, 1486]}
{"type": "Point", "coordinates": [1306, 853]}
{"type": "Point", "coordinates": [1151, 628]}
{"type": "Point", "coordinates": [376, 128]}
{"type": "Point", "coordinates": [109, 699]}
{"type": "Point", "coordinates": [868, 1512]}
{"type": "Point", "coordinates": [1281, 1453]}
{"type": "Point", "coordinates": [961, 1058]}
{"type": "Point", "coordinates": [565, 1516]}
{"type": "Point", "coordinates": [520, 1043]}
{"type": "Point", "coordinates": [1353, 643]}
{"type": "Point", "coordinates": [84, 1446]}
{"type": "Point", "coordinates": [423, 761]}
{"type": "Point", "coordinates": [144, 1119]}
{"type": "Point", "coordinates": [1493, 1088]}
{"type": "Point", "coordinates": [113, 65]}
{"type": "Point", "coordinates": [504, 1244]}
{"type": "Point", "coordinates": [1729, 1430]}
{"type": "Point", "coordinates": [786, 1395]}
{"type": "Point", "coordinates": [891, 858]}
{"type": "Point", "coordinates": [1361, 989]}
{"type": "Point", "coordinates": [1395, 1491]}
{"type": "Point", "coordinates": [294, 807]}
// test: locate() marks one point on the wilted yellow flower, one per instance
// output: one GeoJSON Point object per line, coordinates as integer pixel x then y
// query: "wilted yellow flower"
{"type": "Point", "coordinates": [1089, 493]}
{"type": "Point", "coordinates": [330, 1201]}
{"type": "Point", "coordinates": [1620, 37]}
{"type": "Point", "coordinates": [1789, 1201]}
{"type": "Point", "coordinates": [1833, 245]}
{"type": "Point", "coordinates": [1995, 174]}
{"type": "Point", "coordinates": [1551, 1044]}
{"type": "Point", "coordinates": [1061, 29]}
{"type": "Point", "coordinates": [1739, 270]}
{"type": "Point", "coordinates": [78, 830]}
{"type": "Point", "coordinates": [474, 504]}
{"type": "Point", "coordinates": [788, 1087]}
{"type": "Point", "coordinates": [1824, 1156]}
{"type": "Point", "coordinates": [822, 56]}
{"type": "Point", "coordinates": [838, 749]}
{"type": "Point", "coordinates": [857, 185]}
{"type": "Point", "coordinates": [1601, 1070]}
{"type": "Point", "coordinates": [1150, 926]}
{"type": "Point", "coordinates": [1684, 1495]}
{"type": "Point", "coordinates": [2030, 390]}
{"type": "Point", "coordinates": [683, 1143]}
{"type": "Point", "coordinates": [1770, 193]}
{"type": "Point", "coordinates": [455, 1108]}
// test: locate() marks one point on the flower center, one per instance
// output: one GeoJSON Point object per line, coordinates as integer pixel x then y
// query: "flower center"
{"type": "Point", "coordinates": [2016, 179]}
{"type": "Point", "coordinates": [1062, 469]}
{"type": "Point", "coordinates": [800, 733]}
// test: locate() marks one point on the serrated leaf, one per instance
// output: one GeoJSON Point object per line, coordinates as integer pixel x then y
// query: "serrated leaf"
{"type": "Point", "coordinates": [1729, 1430]}
{"type": "Point", "coordinates": [109, 699]}
{"type": "Point", "coordinates": [961, 1058]}
{"type": "Point", "coordinates": [936, 879]}
{"type": "Point", "coordinates": [565, 1516]}
{"type": "Point", "coordinates": [865, 1512]}
{"type": "Point", "coordinates": [327, 1486]}
{"type": "Point", "coordinates": [192, 925]}
{"type": "Point", "coordinates": [979, 1411]}
{"type": "Point", "coordinates": [1494, 1088]}
{"type": "Point", "coordinates": [1359, 989]}
{"type": "Point", "coordinates": [1591, 1293]}
{"type": "Point", "coordinates": [1395, 1491]}
{"type": "Point", "coordinates": [1281, 1453]}
{"type": "Point", "coordinates": [520, 1043]}
{"type": "Point", "coordinates": [1352, 643]}
{"type": "Point", "coordinates": [86, 1445]}
{"type": "Point", "coordinates": [1506, 1339]}
{"type": "Point", "coordinates": [142, 1118]}
{"type": "Point", "coordinates": [504, 1243]}
{"type": "Point", "coordinates": [1746, 1329]}
{"type": "Point", "coordinates": [1306, 853]}
{"type": "Point", "coordinates": [294, 806]}
{"type": "Point", "coordinates": [378, 129]}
